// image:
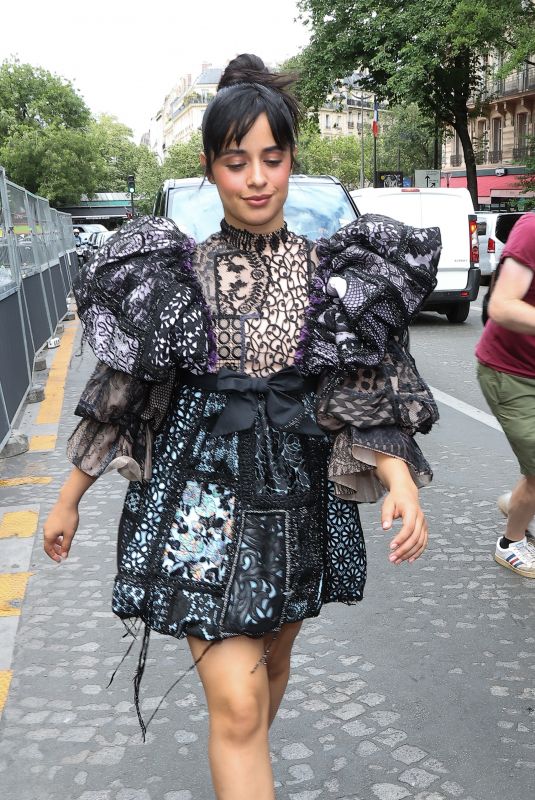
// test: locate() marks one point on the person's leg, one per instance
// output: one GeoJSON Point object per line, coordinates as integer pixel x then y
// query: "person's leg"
{"type": "Point", "coordinates": [238, 700]}
{"type": "Point", "coordinates": [521, 508]}
{"type": "Point", "coordinates": [278, 664]}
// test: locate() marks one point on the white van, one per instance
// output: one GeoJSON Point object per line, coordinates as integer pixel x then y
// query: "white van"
{"type": "Point", "coordinates": [452, 211]}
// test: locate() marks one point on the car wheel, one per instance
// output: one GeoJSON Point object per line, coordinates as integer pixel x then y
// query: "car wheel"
{"type": "Point", "coordinates": [458, 313]}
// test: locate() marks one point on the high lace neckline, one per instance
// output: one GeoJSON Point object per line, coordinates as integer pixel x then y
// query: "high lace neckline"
{"type": "Point", "coordinates": [257, 242]}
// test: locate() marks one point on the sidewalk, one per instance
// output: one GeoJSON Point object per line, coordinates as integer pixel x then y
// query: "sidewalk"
{"type": "Point", "coordinates": [426, 690]}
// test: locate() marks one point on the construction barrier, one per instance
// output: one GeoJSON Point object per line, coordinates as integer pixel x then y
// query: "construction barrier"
{"type": "Point", "coordinates": [38, 261]}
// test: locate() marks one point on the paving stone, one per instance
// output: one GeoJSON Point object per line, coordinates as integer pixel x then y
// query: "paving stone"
{"type": "Point", "coordinates": [295, 751]}
{"type": "Point", "coordinates": [389, 791]}
{"type": "Point", "coordinates": [408, 754]}
{"type": "Point", "coordinates": [419, 778]}
{"type": "Point", "coordinates": [300, 773]}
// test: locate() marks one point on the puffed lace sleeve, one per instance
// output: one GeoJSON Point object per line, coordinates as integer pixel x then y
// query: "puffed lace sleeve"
{"type": "Point", "coordinates": [119, 417]}
{"type": "Point", "coordinates": [141, 304]}
{"type": "Point", "coordinates": [373, 277]}
{"type": "Point", "coordinates": [371, 410]}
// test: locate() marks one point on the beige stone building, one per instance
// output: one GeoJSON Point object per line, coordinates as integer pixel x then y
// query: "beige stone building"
{"type": "Point", "coordinates": [348, 112]}
{"type": "Point", "coordinates": [501, 133]}
{"type": "Point", "coordinates": [183, 108]}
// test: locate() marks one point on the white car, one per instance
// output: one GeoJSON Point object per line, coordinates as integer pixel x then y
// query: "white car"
{"type": "Point", "coordinates": [493, 229]}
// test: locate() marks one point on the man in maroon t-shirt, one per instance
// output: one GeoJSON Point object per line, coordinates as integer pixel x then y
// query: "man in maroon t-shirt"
{"type": "Point", "coordinates": [506, 373]}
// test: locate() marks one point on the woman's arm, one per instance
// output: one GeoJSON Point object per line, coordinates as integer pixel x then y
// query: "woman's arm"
{"type": "Point", "coordinates": [401, 501]}
{"type": "Point", "coordinates": [506, 306]}
{"type": "Point", "coordinates": [62, 522]}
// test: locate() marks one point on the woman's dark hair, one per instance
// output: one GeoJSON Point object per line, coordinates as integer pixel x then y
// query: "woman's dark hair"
{"type": "Point", "coordinates": [246, 90]}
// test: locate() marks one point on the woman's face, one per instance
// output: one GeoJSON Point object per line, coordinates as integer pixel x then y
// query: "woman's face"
{"type": "Point", "coordinates": [252, 179]}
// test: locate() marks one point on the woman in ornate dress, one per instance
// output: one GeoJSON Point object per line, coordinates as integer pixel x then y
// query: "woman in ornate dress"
{"type": "Point", "coordinates": [240, 520]}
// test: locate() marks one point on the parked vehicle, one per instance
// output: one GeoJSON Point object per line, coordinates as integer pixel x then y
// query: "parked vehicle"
{"type": "Point", "coordinates": [452, 211]}
{"type": "Point", "coordinates": [89, 227]}
{"type": "Point", "coordinates": [316, 206]}
{"type": "Point", "coordinates": [493, 229]}
{"type": "Point", "coordinates": [95, 241]}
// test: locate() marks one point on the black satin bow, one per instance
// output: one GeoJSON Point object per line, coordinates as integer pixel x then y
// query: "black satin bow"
{"type": "Point", "coordinates": [284, 411]}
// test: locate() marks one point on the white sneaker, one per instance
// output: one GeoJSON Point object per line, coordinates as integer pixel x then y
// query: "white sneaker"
{"type": "Point", "coordinates": [503, 505]}
{"type": "Point", "coordinates": [518, 557]}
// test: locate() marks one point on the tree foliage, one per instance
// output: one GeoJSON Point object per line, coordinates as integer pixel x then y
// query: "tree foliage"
{"type": "Point", "coordinates": [51, 145]}
{"type": "Point", "coordinates": [44, 134]}
{"type": "Point", "coordinates": [182, 159]}
{"type": "Point", "coordinates": [527, 181]}
{"type": "Point", "coordinates": [406, 141]}
{"type": "Point", "coordinates": [148, 179]}
{"type": "Point", "coordinates": [57, 163]}
{"type": "Point", "coordinates": [31, 97]}
{"type": "Point", "coordinates": [114, 145]}
{"type": "Point", "coordinates": [426, 51]}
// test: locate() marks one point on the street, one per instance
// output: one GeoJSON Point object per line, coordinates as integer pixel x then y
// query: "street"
{"type": "Point", "coordinates": [425, 690]}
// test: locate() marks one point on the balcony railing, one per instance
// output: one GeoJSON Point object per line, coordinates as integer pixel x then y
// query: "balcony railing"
{"type": "Point", "coordinates": [456, 160]}
{"type": "Point", "coordinates": [522, 81]}
{"type": "Point", "coordinates": [522, 153]}
{"type": "Point", "coordinates": [481, 156]}
{"type": "Point", "coordinates": [495, 156]}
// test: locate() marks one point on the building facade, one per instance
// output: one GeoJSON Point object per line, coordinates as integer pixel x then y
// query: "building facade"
{"type": "Point", "coordinates": [347, 112]}
{"type": "Point", "coordinates": [501, 130]}
{"type": "Point", "coordinates": [183, 108]}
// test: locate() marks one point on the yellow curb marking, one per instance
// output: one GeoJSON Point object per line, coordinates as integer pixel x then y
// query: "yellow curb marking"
{"type": "Point", "coordinates": [12, 589]}
{"type": "Point", "coordinates": [18, 523]}
{"type": "Point", "coordinates": [23, 481]}
{"type": "Point", "coordinates": [50, 410]}
{"type": "Point", "coordinates": [5, 680]}
{"type": "Point", "coordinates": [43, 442]}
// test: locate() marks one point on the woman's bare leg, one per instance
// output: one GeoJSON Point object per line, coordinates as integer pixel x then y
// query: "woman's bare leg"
{"type": "Point", "coordinates": [278, 664]}
{"type": "Point", "coordinates": [238, 698]}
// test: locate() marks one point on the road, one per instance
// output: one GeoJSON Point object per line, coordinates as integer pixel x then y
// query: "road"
{"type": "Point", "coordinates": [426, 690]}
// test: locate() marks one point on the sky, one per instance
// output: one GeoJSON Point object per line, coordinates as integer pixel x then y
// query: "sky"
{"type": "Point", "coordinates": [125, 57]}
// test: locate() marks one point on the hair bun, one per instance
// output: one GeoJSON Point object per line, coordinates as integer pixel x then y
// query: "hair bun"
{"type": "Point", "coordinates": [245, 68]}
{"type": "Point", "coordinates": [248, 68]}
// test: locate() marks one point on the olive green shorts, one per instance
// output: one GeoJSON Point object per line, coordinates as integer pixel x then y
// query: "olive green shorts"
{"type": "Point", "coordinates": [512, 401]}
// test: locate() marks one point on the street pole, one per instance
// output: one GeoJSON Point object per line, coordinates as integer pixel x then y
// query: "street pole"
{"type": "Point", "coordinates": [361, 139]}
{"type": "Point", "coordinates": [374, 144]}
{"type": "Point", "coordinates": [132, 205]}
{"type": "Point", "coordinates": [436, 164]}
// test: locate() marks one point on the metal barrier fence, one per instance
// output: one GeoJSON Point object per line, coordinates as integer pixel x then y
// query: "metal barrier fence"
{"type": "Point", "coordinates": [38, 261]}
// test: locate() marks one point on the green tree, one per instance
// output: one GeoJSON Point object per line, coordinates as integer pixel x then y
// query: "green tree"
{"type": "Point", "coordinates": [148, 179]}
{"type": "Point", "coordinates": [407, 141]}
{"type": "Point", "coordinates": [113, 142]}
{"type": "Point", "coordinates": [427, 51]}
{"type": "Point", "coordinates": [527, 181]}
{"type": "Point", "coordinates": [45, 144]}
{"type": "Point", "coordinates": [57, 163]}
{"type": "Point", "coordinates": [31, 97]}
{"type": "Point", "coordinates": [182, 159]}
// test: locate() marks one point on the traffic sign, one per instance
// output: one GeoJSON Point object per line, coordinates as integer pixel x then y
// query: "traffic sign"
{"type": "Point", "coordinates": [427, 178]}
{"type": "Point", "coordinates": [388, 179]}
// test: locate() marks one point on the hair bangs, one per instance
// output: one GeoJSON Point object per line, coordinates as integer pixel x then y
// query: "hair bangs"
{"type": "Point", "coordinates": [233, 112]}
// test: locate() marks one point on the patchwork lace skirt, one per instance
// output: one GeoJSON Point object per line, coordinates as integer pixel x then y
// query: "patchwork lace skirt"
{"type": "Point", "coordinates": [235, 534]}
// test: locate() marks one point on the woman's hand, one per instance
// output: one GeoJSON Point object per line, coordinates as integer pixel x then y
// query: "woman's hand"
{"type": "Point", "coordinates": [59, 530]}
{"type": "Point", "coordinates": [410, 542]}
{"type": "Point", "coordinates": [401, 502]}
{"type": "Point", "coordinates": [62, 522]}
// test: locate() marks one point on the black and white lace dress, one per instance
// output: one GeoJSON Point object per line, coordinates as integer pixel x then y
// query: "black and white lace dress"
{"type": "Point", "coordinates": [230, 524]}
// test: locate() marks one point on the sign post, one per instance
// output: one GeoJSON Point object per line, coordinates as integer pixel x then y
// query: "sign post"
{"type": "Point", "coordinates": [131, 181]}
{"type": "Point", "coordinates": [427, 178]}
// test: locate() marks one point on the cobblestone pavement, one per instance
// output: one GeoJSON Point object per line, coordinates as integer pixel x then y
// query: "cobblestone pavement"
{"type": "Point", "coordinates": [426, 690]}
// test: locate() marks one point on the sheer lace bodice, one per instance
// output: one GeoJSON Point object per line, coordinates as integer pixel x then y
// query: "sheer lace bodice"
{"type": "Point", "coordinates": [257, 287]}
